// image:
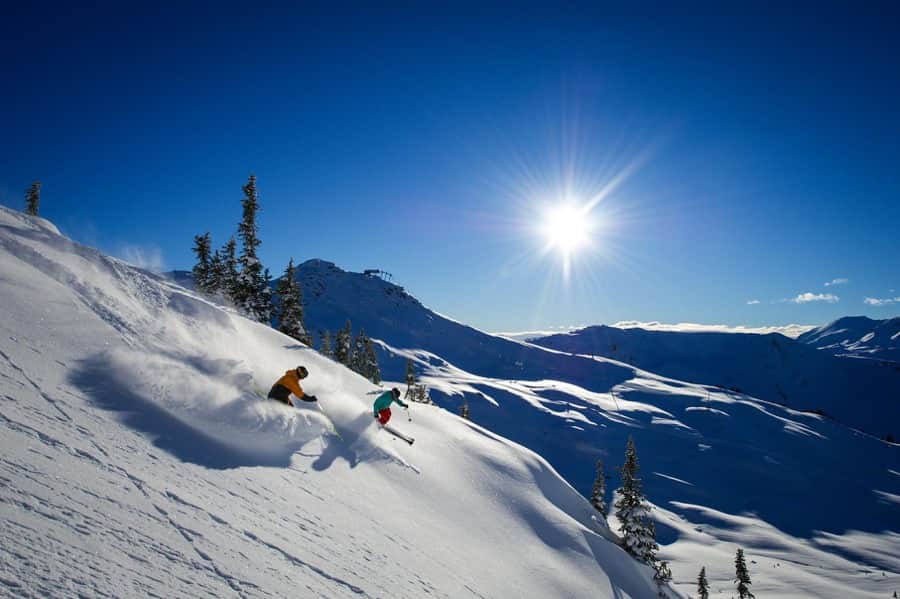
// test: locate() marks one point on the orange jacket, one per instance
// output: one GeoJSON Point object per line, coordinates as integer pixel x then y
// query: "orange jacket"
{"type": "Point", "coordinates": [292, 382]}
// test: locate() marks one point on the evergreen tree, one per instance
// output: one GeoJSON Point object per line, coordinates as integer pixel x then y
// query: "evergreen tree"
{"type": "Point", "coordinates": [421, 394]}
{"type": "Point", "coordinates": [638, 531]}
{"type": "Point", "coordinates": [662, 574]}
{"type": "Point", "coordinates": [464, 409]}
{"type": "Point", "coordinates": [33, 198]}
{"type": "Point", "coordinates": [410, 376]}
{"type": "Point", "coordinates": [372, 372]}
{"type": "Point", "coordinates": [203, 279]}
{"type": "Point", "coordinates": [263, 306]}
{"type": "Point", "coordinates": [252, 293]}
{"type": "Point", "coordinates": [325, 344]}
{"type": "Point", "coordinates": [598, 492]}
{"type": "Point", "coordinates": [290, 313]}
{"type": "Point", "coordinates": [229, 272]}
{"type": "Point", "coordinates": [358, 354]}
{"type": "Point", "coordinates": [741, 575]}
{"type": "Point", "coordinates": [216, 273]}
{"type": "Point", "coordinates": [342, 351]}
{"type": "Point", "coordinates": [703, 584]}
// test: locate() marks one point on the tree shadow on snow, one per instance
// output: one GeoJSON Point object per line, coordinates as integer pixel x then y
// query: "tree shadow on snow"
{"type": "Point", "coordinates": [98, 379]}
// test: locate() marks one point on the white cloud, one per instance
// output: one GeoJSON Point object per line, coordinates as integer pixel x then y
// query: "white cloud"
{"type": "Point", "coordinates": [149, 258]}
{"type": "Point", "coordinates": [534, 334]}
{"type": "Point", "coordinates": [874, 301]}
{"type": "Point", "coordinates": [807, 297]}
{"type": "Point", "coordinates": [752, 302]}
{"type": "Point", "coordinates": [837, 282]}
{"type": "Point", "coordinates": [791, 330]}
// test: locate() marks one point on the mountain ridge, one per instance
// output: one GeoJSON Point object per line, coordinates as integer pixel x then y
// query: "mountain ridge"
{"type": "Point", "coordinates": [858, 337]}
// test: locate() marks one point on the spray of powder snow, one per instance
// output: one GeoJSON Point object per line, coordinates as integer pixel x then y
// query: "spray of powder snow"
{"type": "Point", "coordinates": [209, 396]}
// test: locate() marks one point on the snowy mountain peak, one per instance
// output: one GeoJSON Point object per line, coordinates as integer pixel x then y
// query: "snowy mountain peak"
{"type": "Point", "coordinates": [857, 336]}
{"type": "Point", "coordinates": [316, 276]}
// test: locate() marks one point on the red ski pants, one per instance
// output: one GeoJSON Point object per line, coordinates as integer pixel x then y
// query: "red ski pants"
{"type": "Point", "coordinates": [384, 415]}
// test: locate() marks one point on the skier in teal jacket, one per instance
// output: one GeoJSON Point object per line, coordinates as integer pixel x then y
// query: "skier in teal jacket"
{"type": "Point", "coordinates": [382, 407]}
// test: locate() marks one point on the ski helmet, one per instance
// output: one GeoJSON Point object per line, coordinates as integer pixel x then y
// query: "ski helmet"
{"type": "Point", "coordinates": [302, 372]}
{"type": "Point", "coordinates": [396, 392]}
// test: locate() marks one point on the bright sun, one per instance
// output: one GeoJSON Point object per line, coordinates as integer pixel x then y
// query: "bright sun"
{"type": "Point", "coordinates": [566, 228]}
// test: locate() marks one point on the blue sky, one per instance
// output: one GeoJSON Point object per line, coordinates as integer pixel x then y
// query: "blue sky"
{"type": "Point", "coordinates": [733, 158]}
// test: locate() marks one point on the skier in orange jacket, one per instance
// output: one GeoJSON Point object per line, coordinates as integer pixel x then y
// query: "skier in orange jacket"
{"type": "Point", "coordinates": [290, 383]}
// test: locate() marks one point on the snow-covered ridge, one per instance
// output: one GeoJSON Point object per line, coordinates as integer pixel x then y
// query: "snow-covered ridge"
{"type": "Point", "coordinates": [770, 367]}
{"type": "Point", "coordinates": [858, 337]}
{"type": "Point", "coordinates": [138, 460]}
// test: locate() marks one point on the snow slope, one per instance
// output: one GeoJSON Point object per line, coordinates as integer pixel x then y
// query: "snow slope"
{"type": "Point", "coordinates": [859, 337]}
{"type": "Point", "coordinates": [813, 501]}
{"type": "Point", "coordinates": [137, 461]}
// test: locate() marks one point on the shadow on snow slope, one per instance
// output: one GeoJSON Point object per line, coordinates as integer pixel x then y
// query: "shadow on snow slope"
{"type": "Point", "coordinates": [709, 453]}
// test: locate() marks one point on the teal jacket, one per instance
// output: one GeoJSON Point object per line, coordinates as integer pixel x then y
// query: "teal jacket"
{"type": "Point", "coordinates": [384, 401]}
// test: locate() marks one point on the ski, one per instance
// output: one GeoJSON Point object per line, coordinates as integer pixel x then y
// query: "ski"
{"type": "Point", "coordinates": [398, 434]}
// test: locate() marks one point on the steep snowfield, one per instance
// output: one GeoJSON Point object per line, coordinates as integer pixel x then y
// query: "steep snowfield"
{"type": "Point", "coordinates": [813, 501]}
{"type": "Point", "coordinates": [859, 337]}
{"type": "Point", "coordinates": [137, 461]}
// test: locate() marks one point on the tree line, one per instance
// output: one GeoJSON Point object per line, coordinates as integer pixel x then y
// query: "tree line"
{"type": "Point", "coordinates": [242, 281]}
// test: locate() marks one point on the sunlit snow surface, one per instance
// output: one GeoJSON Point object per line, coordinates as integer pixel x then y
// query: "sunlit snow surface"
{"type": "Point", "coordinates": [138, 461]}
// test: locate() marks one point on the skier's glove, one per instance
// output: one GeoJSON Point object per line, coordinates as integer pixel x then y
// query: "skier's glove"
{"type": "Point", "coordinates": [310, 398]}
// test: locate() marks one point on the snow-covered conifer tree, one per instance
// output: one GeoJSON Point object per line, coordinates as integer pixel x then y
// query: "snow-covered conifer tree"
{"type": "Point", "coordinates": [290, 313]}
{"type": "Point", "coordinates": [598, 492]}
{"type": "Point", "coordinates": [216, 273]}
{"type": "Point", "coordinates": [229, 276]}
{"type": "Point", "coordinates": [358, 354]}
{"type": "Point", "coordinates": [421, 394]}
{"type": "Point", "coordinates": [662, 574]}
{"type": "Point", "coordinates": [325, 344]}
{"type": "Point", "coordinates": [410, 376]}
{"type": "Point", "coordinates": [638, 531]}
{"type": "Point", "coordinates": [742, 576]}
{"type": "Point", "coordinates": [252, 292]}
{"type": "Point", "coordinates": [372, 372]}
{"type": "Point", "coordinates": [702, 584]}
{"type": "Point", "coordinates": [33, 198]}
{"type": "Point", "coordinates": [464, 409]}
{"type": "Point", "coordinates": [202, 271]}
{"type": "Point", "coordinates": [342, 341]}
